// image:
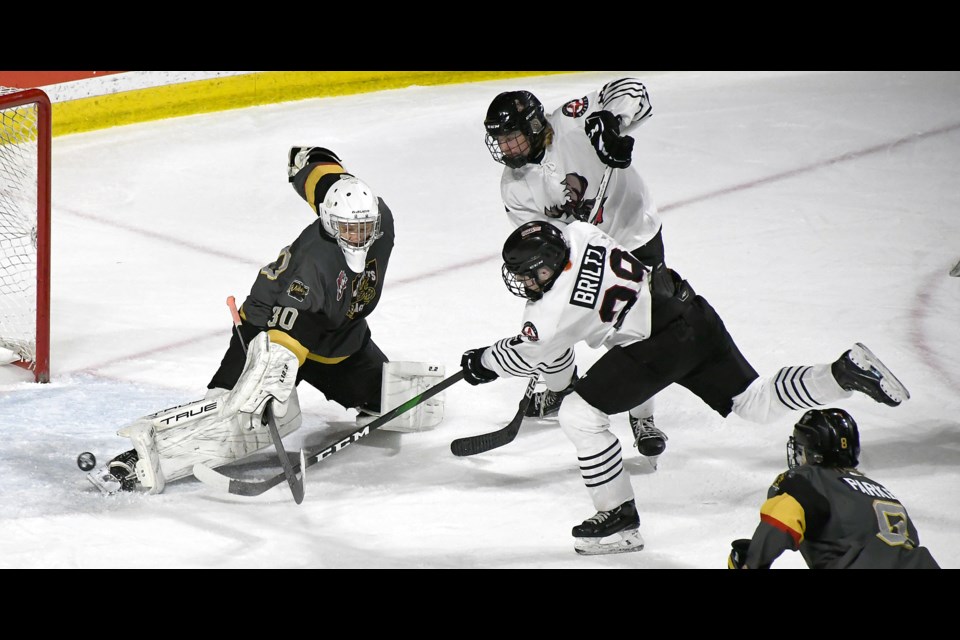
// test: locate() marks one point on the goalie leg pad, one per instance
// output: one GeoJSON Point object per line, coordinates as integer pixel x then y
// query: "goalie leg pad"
{"type": "Point", "coordinates": [149, 473]}
{"type": "Point", "coordinates": [213, 438]}
{"type": "Point", "coordinates": [401, 382]}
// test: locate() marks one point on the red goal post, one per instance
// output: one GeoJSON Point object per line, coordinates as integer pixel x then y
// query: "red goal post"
{"type": "Point", "coordinates": [25, 146]}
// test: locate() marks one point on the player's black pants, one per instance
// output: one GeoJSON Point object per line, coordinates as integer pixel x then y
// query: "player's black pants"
{"type": "Point", "coordinates": [689, 346]}
{"type": "Point", "coordinates": [352, 382]}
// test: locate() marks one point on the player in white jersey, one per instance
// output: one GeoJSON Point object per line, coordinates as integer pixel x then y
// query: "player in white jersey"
{"type": "Point", "coordinates": [583, 285]}
{"type": "Point", "coordinates": [554, 164]}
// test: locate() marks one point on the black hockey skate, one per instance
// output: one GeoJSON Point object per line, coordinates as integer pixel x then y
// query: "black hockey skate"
{"type": "Point", "coordinates": [614, 531]}
{"type": "Point", "coordinates": [119, 475]}
{"type": "Point", "coordinates": [546, 404]}
{"type": "Point", "coordinates": [859, 370]}
{"type": "Point", "coordinates": [648, 440]}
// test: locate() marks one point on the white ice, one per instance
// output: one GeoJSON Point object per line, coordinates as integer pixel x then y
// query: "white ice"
{"type": "Point", "coordinates": [813, 210]}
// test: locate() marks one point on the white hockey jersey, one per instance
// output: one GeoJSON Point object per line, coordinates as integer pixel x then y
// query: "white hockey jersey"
{"type": "Point", "coordinates": [570, 172]}
{"type": "Point", "coordinates": [602, 298]}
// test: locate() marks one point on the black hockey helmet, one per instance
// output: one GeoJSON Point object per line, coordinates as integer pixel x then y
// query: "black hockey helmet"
{"type": "Point", "coordinates": [827, 436]}
{"type": "Point", "coordinates": [516, 111]}
{"type": "Point", "coordinates": [533, 246]}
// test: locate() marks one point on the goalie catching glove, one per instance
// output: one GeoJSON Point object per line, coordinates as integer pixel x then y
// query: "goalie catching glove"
{"type": "Point", "coordinates": [299, 157]}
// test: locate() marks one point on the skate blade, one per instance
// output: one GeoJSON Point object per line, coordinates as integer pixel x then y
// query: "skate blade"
{"type": "Point", "coordinates": [652, 460]}
{"type": "Point", "coordinates": [105, 481]}
{"type": "Point", "coordinates": [890, 384]}
{"type": "Point", "coordinates": [625, 541]}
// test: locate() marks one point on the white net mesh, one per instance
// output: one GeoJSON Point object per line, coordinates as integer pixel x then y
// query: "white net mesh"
{"type": "Point", "coordinates": [18, 226]}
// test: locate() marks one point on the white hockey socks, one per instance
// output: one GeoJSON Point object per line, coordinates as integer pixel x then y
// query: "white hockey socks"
{"type": "Point", "coordinates": [791, 389]}
{"type": "Point", "coordinates": [598, 452]}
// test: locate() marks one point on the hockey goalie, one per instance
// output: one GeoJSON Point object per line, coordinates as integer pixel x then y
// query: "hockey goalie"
{"type": "Point", "coordinates": [304, 320]}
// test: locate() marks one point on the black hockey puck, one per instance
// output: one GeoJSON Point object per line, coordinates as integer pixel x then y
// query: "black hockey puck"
{"type": "Point", "coordinates": [86, 461]}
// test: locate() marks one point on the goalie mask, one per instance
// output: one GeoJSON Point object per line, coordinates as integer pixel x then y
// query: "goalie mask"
{"type": "Point", "coordinates": [350, 214]}
{"type": "Point", "coordinates": [517, 128]}
{"type": "Point", "coordinates": [828, 437]}
{"type": "Point", "coordinates": [534, 256]}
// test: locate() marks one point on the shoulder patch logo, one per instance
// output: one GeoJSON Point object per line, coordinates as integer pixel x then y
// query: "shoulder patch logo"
{"type": "Point", "coordinates": [530, 332]}
{"type": "Point", "coordinates": [341, 285]}
{"type": "Point", "coordinates": [298, 291]}
{"type": "Point", "coordinates": [576, 108]}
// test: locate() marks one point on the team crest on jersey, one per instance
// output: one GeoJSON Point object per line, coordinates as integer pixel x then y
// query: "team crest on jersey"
{"type": "Point", "coordinates": [529, 332]}
{"type": "Point", "coordinates": [341, 285]}
{"type": "Point", "coordinates": [576, 108]}
{"type": "Point", "coordinates": [298, 291]}
{"type": "Point", "coordinates": [575, 206]}
{"type": "Point", "coordinates": [587, 289]}
{"type": "Point", "coordinates": [364, 289]}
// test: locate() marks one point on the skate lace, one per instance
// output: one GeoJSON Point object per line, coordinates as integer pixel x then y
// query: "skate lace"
{"type": "Point", "coordinates": [601, 516]}
{"type": "Point", "coordinates": [645, 427]}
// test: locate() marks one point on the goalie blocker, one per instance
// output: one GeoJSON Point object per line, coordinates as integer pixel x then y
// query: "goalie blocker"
{"type": "Point", "coordinates": [220, 429]}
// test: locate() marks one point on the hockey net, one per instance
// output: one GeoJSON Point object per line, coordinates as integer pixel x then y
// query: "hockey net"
{"type": "Point", "coordinates": [25, 145]}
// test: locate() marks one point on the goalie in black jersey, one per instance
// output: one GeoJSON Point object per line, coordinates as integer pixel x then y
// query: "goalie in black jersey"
{"type": "Point", "coordinates": [304, 320]}
{"type": "Point", "coordinates": [824, 507]}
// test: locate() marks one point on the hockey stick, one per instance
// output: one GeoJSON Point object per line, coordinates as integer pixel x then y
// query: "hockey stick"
{"type": "Point", "coordinates": [597, 202]}
{"type": "Point", "coordinates": [295, 482]}
{"type": "Point", "coordinates": [472, 445]}
{"type": "Point", "coordinates": [307, 459]}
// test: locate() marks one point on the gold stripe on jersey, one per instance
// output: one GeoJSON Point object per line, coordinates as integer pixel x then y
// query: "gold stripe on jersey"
{"type": "Point", "coordinates": [288, 341]}
{"type": "Point", "coordinates": [325, 360]}
{"type": "Point", "coordinates": [318, 171]}
{"type": "Point", "coordinates": [783, 512]}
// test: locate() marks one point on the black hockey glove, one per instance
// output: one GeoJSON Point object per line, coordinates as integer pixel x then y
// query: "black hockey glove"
{"type": "Point", "coordinates": [299, 157]}
{"type": "Point", "coordinates": [603, 129]}
{"type": "Point", "coordinates": [473, 370]}
{"type": "Point", "coordinates": [738, 554]}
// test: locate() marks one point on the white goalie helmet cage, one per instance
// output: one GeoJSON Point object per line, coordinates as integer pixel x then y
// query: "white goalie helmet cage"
{"type": "Point", "coordinates": [350, 214]}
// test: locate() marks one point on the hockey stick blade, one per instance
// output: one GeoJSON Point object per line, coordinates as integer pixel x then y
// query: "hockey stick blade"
{"type": "Point", "coordinates": [240, 487]}
{"type": "Point", "coordinates": [955, 272]}
{"type": "Point", "coordinates": [472, 445]}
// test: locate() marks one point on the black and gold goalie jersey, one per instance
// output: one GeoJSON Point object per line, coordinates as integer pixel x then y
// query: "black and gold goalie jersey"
{"type": "Point", "coordinates": [310, 293]}
{"type": "Point", "coordinates": [837, 518]}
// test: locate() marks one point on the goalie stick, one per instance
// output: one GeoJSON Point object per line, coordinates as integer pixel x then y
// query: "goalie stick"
{"type": "Point", "coordinates": [472, 445]}
{"type": "Point", "coordinates": [307, 459]}
{"type": "Point", "coordinates": [295, 481]}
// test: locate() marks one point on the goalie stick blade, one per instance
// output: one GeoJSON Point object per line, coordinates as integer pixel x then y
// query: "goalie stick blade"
{"type": "Point", "coordinates": [226, 484]}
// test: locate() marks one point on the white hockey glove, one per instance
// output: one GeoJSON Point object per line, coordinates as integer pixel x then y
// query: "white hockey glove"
{"type": "Point", "coordinates": [299, 157]}
{"type": "Point", "coordinates": [270, 371]}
